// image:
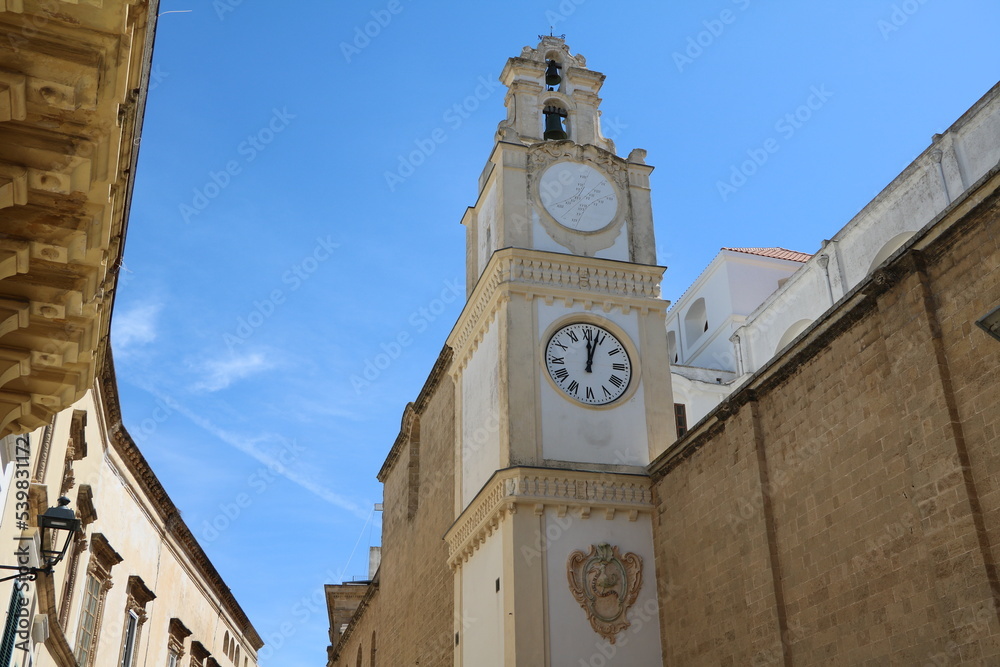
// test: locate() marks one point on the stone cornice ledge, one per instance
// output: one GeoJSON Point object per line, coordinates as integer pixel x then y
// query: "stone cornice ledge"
{"type": "Point", "coordinates": [549, 275]}
{"type": "Point", "coordinates": [566, 490]}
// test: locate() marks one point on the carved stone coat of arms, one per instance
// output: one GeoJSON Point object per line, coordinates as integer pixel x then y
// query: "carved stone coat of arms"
{"type": "Point", "coordinates": [606, 584]}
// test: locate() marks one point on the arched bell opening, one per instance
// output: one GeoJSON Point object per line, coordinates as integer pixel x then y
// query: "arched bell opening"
{"type": "Point", "coordinates": [555, 120]}
{"type": "Point", "coordinates": [553, 78]}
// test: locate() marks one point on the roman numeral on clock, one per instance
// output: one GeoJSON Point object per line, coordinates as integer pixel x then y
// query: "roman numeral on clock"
{"type": "Point", "coordinates": [615, 351]}
{"type": "Point", "coordinates": [606, 392]}
{"type": "Point", "coordinates": [572, 335]}
{"type": "Point", "coordinates": [616, 381]}
{"type": "Point", "coordinates": [562, 360]}
{"type": "Point", "coordinates": [618, 367]}
{"type": "Point", "coordinates": [590, 393]}
{"type": "Point", "coordinates": [560, 374]}
{"type": "Point", "coordinates": [573, 386]}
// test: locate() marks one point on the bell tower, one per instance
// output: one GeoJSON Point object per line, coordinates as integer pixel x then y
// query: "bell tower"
{"type": "Point", "coordinates": [562, 386]}
{"type": "Point", "coordinates": [596, 204]}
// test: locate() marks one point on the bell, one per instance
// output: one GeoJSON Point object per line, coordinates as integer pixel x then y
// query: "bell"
{"type": "Point", "coordinates": [552, 77]}
{"type": "Point", "coordinates": [553, 127]}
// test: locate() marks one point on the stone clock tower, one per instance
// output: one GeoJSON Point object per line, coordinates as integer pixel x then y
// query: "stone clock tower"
{"type": "Point", "coordinates": [562, 386]}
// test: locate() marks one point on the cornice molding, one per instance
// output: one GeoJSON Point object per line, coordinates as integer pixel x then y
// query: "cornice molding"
{"type": "Point", "coordinates": [414, 409]}
{"type": "Point", "coordinates": [168, 513]}
{"type": "Point", "coordinates": [75, 86]}
{"type": "Point", "coordinates": [366, 601]}
{"type": "Point", "coordinates": [590, 281]}
{"type": "Point", "coordinates": [576, 491]}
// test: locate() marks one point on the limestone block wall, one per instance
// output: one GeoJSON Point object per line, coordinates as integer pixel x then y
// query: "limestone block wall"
{"type": "Point", "coordinates": [412, 611]}
{"type": "Point", "coordinates": [842, 506]}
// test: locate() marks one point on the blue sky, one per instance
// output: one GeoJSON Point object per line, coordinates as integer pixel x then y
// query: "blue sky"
{"type": "Point", "coordinates": [297, 206]}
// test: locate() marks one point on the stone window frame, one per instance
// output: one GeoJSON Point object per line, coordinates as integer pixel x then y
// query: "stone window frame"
{"type": "Point", "coordinates": [680, 419]}
{"type": "Point", "coordinates": [76, 449]}
{"type": "Point", "coordinates": [177, 632]}
{"type": "Point", "coordinates": [198, 654]}
{"type": "Point", "coordinates": [87, 515]}
{"type": "Point", "coordinates": [103, 558]}
{"type": "Point", "coordinates": [138, 597]}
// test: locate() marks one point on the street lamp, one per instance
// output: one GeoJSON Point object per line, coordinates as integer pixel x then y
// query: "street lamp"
{"type": "Point", "coordinates": [52, 525]}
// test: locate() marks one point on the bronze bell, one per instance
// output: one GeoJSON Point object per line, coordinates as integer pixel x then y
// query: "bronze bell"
{"type": "Point", "coordinates": [553, 124]}
{"type": "Point", "coordinates": [552, 77]}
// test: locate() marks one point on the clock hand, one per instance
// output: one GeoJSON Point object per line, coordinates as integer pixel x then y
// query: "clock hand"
{"type": "Point", "coordinates": [598, 339]}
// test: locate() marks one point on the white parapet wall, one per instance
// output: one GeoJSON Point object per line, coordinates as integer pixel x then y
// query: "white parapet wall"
{"type": "Point", "coordinates": [952, 163]}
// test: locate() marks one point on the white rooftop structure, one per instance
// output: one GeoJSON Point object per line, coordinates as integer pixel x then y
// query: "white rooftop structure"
{"type": "Point", "coordinates": [750, 303]}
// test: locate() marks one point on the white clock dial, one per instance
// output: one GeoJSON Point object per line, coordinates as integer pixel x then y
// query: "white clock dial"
{"type": "Point", "coordinates": [578, 196]}
{"type": "Point", "coordinates": [588, 363]}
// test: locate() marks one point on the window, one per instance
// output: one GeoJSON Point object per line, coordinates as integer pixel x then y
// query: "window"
{"type": "Point", "coordinates": [75, 551]}
{"type": "Point", "coordinates": [890, 246]}
{"type": "Point", "coordinates": [135, 608]}
{"type": "Point", "coordinates": [198, 654]}
{"type": "Point", "coordinates": [672, 347]}
{"type": "Point", "coordinates": [680, 418]}
{"type": "Point", "coordinates": [360, 655]}
{"type": "Point", "coordinates": [695, 323]}
{"type": "Point", "coordinates": [131, 630]}
{"type": "Point", "coordinates": [177, 633]}
{"type": "Point", "coordinates": [792, 333]}
{"type": "Point", "coordinates": [17, 601]}
{"type": "Point", "coordinates": [93, 598]}
{"type": "Point", "coordinates": [373, 649]}
{"type": "Point", "coordinates": [102, 559]}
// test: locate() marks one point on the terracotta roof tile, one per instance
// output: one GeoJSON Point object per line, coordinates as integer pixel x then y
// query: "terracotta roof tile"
{"type": "Point", "coordinates": [777, 253]}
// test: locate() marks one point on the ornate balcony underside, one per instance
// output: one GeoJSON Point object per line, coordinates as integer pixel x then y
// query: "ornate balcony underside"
{"type": "Point", "coordinates": [73, 81]}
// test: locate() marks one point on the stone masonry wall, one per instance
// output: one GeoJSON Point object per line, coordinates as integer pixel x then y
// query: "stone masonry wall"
{"type": "Point", "coordinates": [412, 611]}
{"type": "Point", "coordinates": [417, 587]}
{"type": "Point", "coordinates": [844, 506]}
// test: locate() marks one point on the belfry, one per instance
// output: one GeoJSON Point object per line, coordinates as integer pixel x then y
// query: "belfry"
{"type": "Point", "coordinates": [562, 346]}
{"type": "Point", "coordinates": [527, 448]}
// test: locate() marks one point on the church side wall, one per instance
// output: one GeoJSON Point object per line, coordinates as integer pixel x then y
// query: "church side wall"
{"type": "Point", "coordinates": [364, 640]}
{"type": "Point", "coordinates": [843, 506]}
{"type": "Point", "coordinates": [416, 590]}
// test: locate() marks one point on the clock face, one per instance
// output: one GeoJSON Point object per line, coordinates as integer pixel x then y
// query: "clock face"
{"type": "Point", "coordinates": [578, 196]}
{"type": "Point", "coordinates": [588, 363]}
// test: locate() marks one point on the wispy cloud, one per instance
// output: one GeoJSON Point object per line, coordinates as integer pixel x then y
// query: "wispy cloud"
{"type": "Point", "coordinates": [220, 373]}
{"type": "Point", "coordinates": [249, 446]}
{"type": "Point", "coordinates": [136, 326]}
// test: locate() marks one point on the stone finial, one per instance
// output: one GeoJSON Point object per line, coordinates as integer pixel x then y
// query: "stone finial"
{"type": "Point", "coordinates": [637, 156]}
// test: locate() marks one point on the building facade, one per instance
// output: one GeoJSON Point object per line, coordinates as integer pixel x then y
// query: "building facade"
{"type": "Point", "coordinates": [834, 501]}
{"type": "Point", "coordinates": [762, 321]}
{"type": "Point", "coordinates": [134, 588]}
